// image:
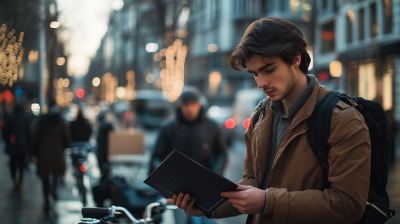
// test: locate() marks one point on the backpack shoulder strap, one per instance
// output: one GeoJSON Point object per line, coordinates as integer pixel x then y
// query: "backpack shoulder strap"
{"type": "Point", "coordinates": [319, 130]}
{"type": "Point", "coordinates": [260, 112]}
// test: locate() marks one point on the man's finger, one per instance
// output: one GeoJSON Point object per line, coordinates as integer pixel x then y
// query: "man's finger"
{"type": "Point", "coordinates": [232, 194]}
{"type": "Point", "coordinates": [185, 202]}
{"type": "Point", "coordinates": [191, 204]}
{"type": "Point", "coordinates": [168, 201]}
{"type": "Point", "coordinates": [237, 202]}
{"type": "Point", "coordinates": [243, 187]}
{"type": "Point", "coordinates": [174, 198]}
{"type": "Point", "coordinates": [179, 200]}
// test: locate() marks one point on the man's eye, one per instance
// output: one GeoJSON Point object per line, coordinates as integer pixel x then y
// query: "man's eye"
{"type": "Point", "coordinates": [270, 71]}
{"type": "Point", "coordinates": [255, 75]}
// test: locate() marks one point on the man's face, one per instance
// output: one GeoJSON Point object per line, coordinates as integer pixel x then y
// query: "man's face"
{"type": "Point", "coordinates": [273, 75]}
{"type": "Point", "coordinates": [190, 110]}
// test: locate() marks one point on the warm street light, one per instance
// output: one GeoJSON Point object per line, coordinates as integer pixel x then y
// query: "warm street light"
{"type": "Point", "coordinates": [66, 82]}
{"type": "Point", "coordinates": [150, 78]}
{"type": "Point", "coordinates": [212, 48]}
{"type": "Point", "coordinates": [151, 47]}
{"type": "Point", "coordinates": [96, 81]}
{"type": "Point", "coordinates": [335, 68]}
{"type": "Point", "coordinates": [60, 61]}
{"type": "Point", "coordinates": [54, 24]}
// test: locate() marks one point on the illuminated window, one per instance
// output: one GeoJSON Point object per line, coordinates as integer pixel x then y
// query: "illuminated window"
{"type": "Point", "coordinates": [367, 81]}
{"type": "Point", "coordinates": [328, 37]}
{"type": "Point", "coordinates": [349, 26]}
{"type": "Point", "coordinates": [388, 17]}
{"type": "Point", "coordinates": [374, 20]}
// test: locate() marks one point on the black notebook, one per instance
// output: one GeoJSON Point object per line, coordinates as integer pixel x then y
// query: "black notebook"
{"type": "Point", "coordinates": [178, 173]}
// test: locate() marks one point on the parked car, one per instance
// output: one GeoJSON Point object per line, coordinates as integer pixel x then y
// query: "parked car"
{"type": "Point", "coordinates": [151, 108]}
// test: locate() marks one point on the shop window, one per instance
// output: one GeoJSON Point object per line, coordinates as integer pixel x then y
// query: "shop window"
{"type": "Point", "coordinates": [388, 17]}
{"type": "Point", "coordinates": [374, 20]}
{"type": "Point", "coordinates": [387, 82]}
{"type": "Point", "coordinates": [349, 26]}
{"type": "Point", "coordinates": [361, 25]}
{"type": "Point", "coordinates": [328, 37]}
{"type": "Point", "coordinates": [367, 81]}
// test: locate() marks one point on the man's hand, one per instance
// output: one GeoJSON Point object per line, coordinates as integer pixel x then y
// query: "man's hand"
{"type": "Point", "coordinates": [248, 200]}
{"type": "Point", "coordinates": [186, 203]}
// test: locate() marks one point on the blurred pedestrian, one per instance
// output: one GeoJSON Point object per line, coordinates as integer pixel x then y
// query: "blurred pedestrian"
{"type": "Point", "coordinates": [392, 135]}
{"type": "Point", "coordinates": [80, 129]}
{"type": "Point", "coordinates": [106, 124]}
{"type": "Point", "coordinates": [193, 134]}
{"type": "Point", "coordinates": [49, 139]}
{"type": "Point", "coordinates": [16, 137]}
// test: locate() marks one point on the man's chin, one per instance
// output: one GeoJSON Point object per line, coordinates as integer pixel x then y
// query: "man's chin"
{"type": "Point", "coordinates": [275, 98]}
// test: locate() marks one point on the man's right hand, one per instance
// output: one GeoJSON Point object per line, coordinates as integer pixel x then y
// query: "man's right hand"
{"type": "Point", "coordinates": [186, 203]}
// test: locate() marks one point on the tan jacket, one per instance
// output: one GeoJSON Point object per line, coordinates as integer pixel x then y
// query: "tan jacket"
{"type": "Point", "coordinates": [296, 179]}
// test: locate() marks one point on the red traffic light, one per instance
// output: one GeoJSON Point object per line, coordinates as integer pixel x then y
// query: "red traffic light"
{"type": "Point", "coordinates": [80, 93]}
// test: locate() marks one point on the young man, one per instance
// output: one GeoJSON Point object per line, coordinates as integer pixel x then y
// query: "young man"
{"type": "Point", "coordinates": [283, 176]}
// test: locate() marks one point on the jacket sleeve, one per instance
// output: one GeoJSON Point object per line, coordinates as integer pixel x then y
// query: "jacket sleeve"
{"type": "Point", "coordinates": [161, 148]}
{"type": "Point", "coordinates": [220, 153]}
{"type": "Point", "coordinates": [349, 172]}
{"type": "Point", "coordinates": [227, 209]}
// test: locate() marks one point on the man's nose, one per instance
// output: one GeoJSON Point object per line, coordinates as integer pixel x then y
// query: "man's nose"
{"type": "Point", "coordinates": [262, 81]}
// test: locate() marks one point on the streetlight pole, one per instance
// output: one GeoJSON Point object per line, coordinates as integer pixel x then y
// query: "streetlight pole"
{"type": "Point", "coordinates": [42, 54]}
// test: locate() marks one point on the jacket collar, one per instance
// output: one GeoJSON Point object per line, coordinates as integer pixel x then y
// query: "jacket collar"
{"type": "Point", "coordinates": [262, 130]}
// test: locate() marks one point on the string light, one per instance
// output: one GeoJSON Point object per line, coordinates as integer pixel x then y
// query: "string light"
{"type": "Point", "coordinates": [63, 94]}
{"type": "Point", "coordinates": [11, 52]}
{"type": "Point", "coordinates": [172, 76]}
{"type": "Point", "coordinates": [109, 84]}
{"type": "Point", "coordinates": [130, 93]}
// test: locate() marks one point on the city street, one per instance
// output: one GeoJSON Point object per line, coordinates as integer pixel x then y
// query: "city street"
{"type": "Point", "coordinates": [26, 206]}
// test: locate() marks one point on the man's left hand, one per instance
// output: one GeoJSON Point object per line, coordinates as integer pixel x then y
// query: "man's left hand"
{"type": "Point", "coordinates": [248, 199]}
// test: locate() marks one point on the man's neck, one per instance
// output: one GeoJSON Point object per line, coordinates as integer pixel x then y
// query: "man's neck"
{"type": "Point", "coordinates": [299, 86]}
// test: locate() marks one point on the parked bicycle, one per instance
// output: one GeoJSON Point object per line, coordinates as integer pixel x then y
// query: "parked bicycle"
{"type": "Point", "coordinates": [114, 214]}
{"type": "Point", "coordinates": [78, 153]}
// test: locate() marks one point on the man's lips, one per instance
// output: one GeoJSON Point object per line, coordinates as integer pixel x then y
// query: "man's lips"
{"type": "Point", "coordinates": [270, 92]}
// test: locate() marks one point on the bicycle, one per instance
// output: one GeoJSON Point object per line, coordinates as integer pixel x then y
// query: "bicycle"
{"type": "Point", "coordinates": [78, 153]}
{"type": "Point", "coordinates": [113, 213]}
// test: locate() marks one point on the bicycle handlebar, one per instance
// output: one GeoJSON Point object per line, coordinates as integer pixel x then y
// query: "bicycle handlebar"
{"type": "Point", "coordinates": [96, 213]}
{"type": "Point", "coordinates": [100, 213]}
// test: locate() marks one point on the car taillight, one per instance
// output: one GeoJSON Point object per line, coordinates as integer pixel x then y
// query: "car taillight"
{"type": "Point", "coordinates": [246, 123]}
{"type": "Point", "coordinates": [230, 123]}
{"type": "Point", "coordinates": [82, 168]}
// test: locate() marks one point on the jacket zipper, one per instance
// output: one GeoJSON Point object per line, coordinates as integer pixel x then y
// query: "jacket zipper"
{"type": "Point", "coordinates": [375, 207]}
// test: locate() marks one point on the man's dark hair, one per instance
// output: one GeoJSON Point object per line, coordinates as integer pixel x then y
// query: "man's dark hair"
{"type": "Point", "coordinates": [268, 37]}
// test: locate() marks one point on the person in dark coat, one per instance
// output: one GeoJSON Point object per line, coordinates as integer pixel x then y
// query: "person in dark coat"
{"type": "Point", "coordinates": [80, 129]}
{"type": "Point", "coordinates": [49, 140]}
{"type": "Point", "coordinates": [16, 137]}
{"type": "Point", "coordinates": [392, 135]}
{"type": "Point", "coordinates": [193, 134]}
{"type": "Point", "coordinates": [105, 126]}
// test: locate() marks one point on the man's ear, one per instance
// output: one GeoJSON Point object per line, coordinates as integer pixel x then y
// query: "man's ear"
{"type": "Point", "coordinates": [297, 60]}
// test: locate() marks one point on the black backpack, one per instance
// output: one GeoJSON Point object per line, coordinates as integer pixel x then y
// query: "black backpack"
{"type": "Point", "coordinates": [377, 210]}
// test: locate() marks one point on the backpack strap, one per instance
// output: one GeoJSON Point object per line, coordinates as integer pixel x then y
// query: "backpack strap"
{"type": "Point", "coordinates": [319, 130]}
{"type": "Point", "coordinates": [260, 112]}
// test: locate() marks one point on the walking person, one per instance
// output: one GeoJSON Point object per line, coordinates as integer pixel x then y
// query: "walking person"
{"type": "Point", "coordinates": [193, 134]}
{"type": "Point", "coordinates": [16, 137]}
{"type": "Point", "coordinates": [49, 139]}
{"type": "Point", "coordinates": [392, 135]}
{"type": "Point", "coordinates": [80, 130]}
{"type": "Point", "coordinates": [283, 180]}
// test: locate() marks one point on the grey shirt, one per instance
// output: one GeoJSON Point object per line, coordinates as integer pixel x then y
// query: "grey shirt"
{"type": "Point", "coordinates": [281, 122]}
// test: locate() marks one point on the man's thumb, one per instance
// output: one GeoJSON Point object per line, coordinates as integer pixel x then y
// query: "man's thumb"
{"type": "Point", "coordinates": [243, 187]}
